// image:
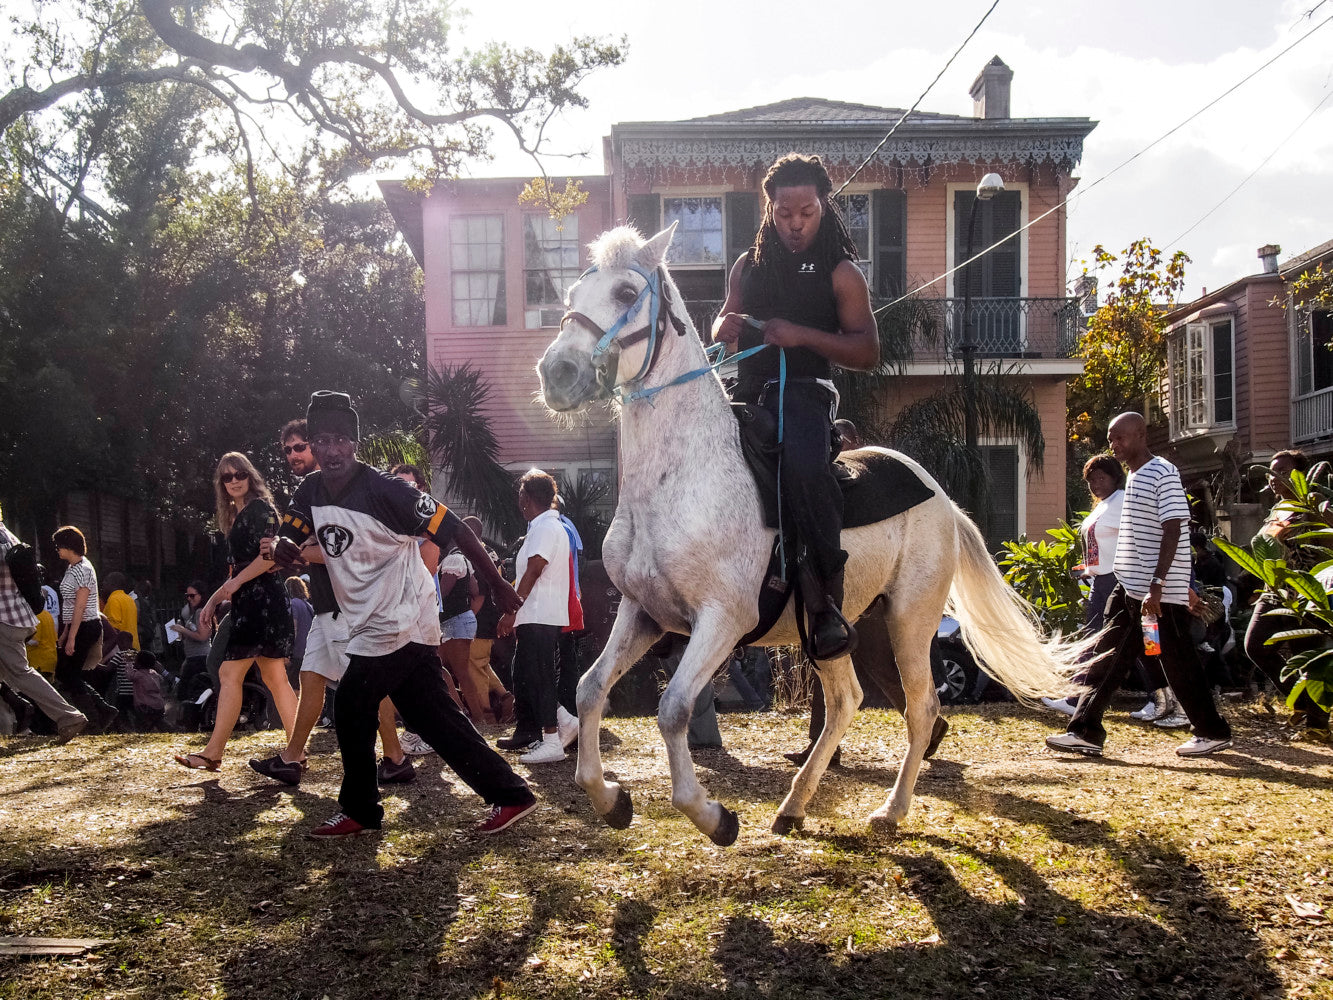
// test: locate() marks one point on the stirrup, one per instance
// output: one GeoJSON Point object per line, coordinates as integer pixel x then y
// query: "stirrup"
{"type": "Point", "coordinates": [845, 648]}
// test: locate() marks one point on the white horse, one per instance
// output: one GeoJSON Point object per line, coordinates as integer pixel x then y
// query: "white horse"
{"type": "Point", "coordinates": [688, 549]}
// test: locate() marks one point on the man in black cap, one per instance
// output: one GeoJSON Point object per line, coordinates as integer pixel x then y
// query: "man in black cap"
{"type": "Point", "coordinates": [367, 524]}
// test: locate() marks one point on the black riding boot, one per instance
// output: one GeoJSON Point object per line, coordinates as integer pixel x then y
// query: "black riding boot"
{"type": "Point", "coordinates": [831, 635]}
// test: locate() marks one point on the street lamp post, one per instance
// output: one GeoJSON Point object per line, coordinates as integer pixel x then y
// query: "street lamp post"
{"type": "Point", "coordinates": [990, 186]}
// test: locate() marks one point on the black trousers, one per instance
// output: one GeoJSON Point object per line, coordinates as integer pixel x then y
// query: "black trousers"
{"type": "Point", "coordinates": [1271, 661]}
{"type": "Point", "coordinates": [567, 687]}
{"type": "Point", "coordinates": [809, 492]}
{"type": "Point", "coordinates": [535, 699]}
{"type": "Point", "coordinates": [411, 676]}
{"type": "Point", "coordinates": [69, 672]}
{"type": "Point", "coordinates": [1122, 644]}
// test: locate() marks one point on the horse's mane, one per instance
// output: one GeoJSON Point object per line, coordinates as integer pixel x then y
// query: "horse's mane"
{"type": "Point", "coordinates": [616, 249]}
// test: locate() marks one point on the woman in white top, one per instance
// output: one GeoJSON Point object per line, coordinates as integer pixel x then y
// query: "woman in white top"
{"type": "Point", "coordinates": [80, 628]}
{"type": "Point", "coordinates": [1100, 529]}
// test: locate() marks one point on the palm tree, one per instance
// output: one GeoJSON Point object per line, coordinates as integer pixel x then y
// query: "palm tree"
{"type": "Point", "coordinates": [452, 402]}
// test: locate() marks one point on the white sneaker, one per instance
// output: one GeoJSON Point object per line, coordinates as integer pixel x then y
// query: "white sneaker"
{"type": "Point", "coordinates": [414, 744]}
{"type": "Point", "coordinates": [1147, 713]}
{"type": "Point", "coordinates": [1198, 747]}
{"type": "Point", "coordinates": [1063, 705]}
{"type": "Point", "coordinates": [549, 751]}
{"type": "Point", "coordinates": [568, 726]}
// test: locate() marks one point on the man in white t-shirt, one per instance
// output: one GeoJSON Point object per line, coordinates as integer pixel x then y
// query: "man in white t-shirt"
{"type": "Point", "coordinates": [1152, 568]}
{"type": "Point", "coordinates": [542, 568]}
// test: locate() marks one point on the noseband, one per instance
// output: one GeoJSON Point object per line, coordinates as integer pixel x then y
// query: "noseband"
{"type": "Point", "coordinates": [658, 297]}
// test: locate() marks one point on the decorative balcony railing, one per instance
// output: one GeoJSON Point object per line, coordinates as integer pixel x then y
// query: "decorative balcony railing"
{"type": "Point", "coordinates": [1001, 327]}
{"type": "Point", "coordinates": [1312, 416]}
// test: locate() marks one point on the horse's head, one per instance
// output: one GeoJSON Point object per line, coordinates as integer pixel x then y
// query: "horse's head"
{"type": "Point", "coordinates": [616, 313]}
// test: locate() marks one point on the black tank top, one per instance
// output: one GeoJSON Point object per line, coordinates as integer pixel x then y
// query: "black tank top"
{"type": "Point", "coordinates": [804, 295]}
{"type": "Point", "coordinates": [457, 601]}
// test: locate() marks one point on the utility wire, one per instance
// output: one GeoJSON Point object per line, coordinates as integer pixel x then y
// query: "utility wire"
{"type": "Point", "coordinates": [1262, 163]}
{"type": "Point", "coordinates": [1110, 173]}
{"type": "Point", "coordinates": [918, 101]}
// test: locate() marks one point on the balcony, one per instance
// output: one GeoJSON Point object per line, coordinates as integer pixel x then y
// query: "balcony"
{"type": "Point", "coordinates": [1004, 327]}
{"type": "Point", "coordinates": [1312, 417]}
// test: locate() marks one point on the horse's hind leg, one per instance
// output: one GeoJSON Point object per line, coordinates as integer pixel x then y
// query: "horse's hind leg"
{"type": "Point", "coordinates": [632, 634]}
{"type": "Point", "coordinates": [842, 697]}
{"type": "Point", "coordinates": [911, 629]}
{"type": "Point", "coordinates": [711, 639]}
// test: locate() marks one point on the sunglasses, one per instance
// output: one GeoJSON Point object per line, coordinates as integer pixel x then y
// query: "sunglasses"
{"type": "Point", "coordinates": [299, 448]}
{"type": "Point", "coordinates": [191, 596]}
{"type": "Point", "coordinates": [227, 477]}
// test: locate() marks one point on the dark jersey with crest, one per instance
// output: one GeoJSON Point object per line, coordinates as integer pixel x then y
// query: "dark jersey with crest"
{"type": "Point", "coordinates": [369, 538]}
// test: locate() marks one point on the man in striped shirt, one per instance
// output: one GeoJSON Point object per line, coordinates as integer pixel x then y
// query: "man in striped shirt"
{"type": "Point", "coordinates": [1152, 565]}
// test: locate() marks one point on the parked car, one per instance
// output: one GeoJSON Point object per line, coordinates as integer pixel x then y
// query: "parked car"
{"type": "Point", "coordinates": [959, 680]}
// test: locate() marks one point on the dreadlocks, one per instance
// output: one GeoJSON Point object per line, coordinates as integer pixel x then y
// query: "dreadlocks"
{"type": "Point", "coordinates": [832, 244]}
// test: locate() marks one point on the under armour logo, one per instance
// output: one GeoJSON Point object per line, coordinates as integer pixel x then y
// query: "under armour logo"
{"type": "Point", "coordinates": [334, 539]}
{"type": "Point", "coordinates": [426, 506]}
{"type": "Point", "coordinates": [808, 268]}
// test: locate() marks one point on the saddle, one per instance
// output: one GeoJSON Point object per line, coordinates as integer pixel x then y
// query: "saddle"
{"type": "Point", "coordinates": [875, 487]}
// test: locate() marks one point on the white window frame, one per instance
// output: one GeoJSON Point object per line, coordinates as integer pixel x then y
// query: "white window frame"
{"type": "Point", "coordinates": [687, 194]}
{"type": "Point", "coordinates": [1303, 322]}
{"type": "Point", "coordinates": [456, 272]}
{"type": "Point", "coordinates": [1191, 400]}
{"type": "Point", "coordinates": [546, 315]}
{"type": "Point", "coordinates": [866, 264]}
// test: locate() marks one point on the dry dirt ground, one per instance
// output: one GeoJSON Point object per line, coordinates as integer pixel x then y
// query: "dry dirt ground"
{"type": "Point", "coordinates": [1018, 874]}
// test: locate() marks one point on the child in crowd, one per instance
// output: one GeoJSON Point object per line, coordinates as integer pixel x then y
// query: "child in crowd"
{"type": "Point", "coordinates": [145, 674]}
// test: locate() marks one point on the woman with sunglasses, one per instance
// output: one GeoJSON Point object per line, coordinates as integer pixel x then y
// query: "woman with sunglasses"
{"type": "Point", "coordinates": [262, 630]}
{"type": "Point", "coordinates": [195, 638]}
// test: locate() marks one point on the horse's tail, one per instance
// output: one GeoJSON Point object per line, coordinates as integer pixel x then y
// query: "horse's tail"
{"type": "Point", "coordinates": [1001, 628]}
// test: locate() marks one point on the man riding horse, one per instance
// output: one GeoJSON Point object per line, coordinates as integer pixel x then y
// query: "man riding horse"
{"type": "Point", "coordinates": [800, 282]}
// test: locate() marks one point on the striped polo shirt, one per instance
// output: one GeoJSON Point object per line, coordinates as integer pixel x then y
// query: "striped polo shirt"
{"type": "Point", "coordinates": [1153, 494]}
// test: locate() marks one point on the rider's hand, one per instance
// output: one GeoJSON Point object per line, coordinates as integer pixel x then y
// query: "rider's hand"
{"type": "Point", "coordinates": [782, 333]}
{"type": "Point", "coordinates": [727, 328]}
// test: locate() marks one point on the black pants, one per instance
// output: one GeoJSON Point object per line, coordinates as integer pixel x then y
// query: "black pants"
{"type": "Point", "coordinates": [1271, 661]}
{"type": "Point", "coordinates": [567, 687]}
{"type": "Point", "coordinates": [69, 673]}
{"type": "Point", "coordinates": [411, 676]}
{"type": "Point", "coordinates": [535, 700]}
{"type": "Point", "coordinates": [809, 492]}
{"type": "Point", "coordinates": [1122, 643]}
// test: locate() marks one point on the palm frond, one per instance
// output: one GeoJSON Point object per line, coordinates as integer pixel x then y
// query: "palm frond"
{"type": "Point", "coordinates": [461, 442]}
{"type": "Point", "coordinates": [395, 447]}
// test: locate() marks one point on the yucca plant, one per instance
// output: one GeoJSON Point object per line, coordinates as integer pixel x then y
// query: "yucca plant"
{"type": "Point", "coordinates": [1303, 594]}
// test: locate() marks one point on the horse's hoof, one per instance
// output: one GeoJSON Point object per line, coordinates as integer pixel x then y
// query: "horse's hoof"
{"type": "Point", "coordinates": [728, 829]}
{"type": "Point", "coordinates": [883, 825]}
{"type": "Point", "coordinates": [621, 813]}
{"type": "Point", "coordinates": [783, 825]}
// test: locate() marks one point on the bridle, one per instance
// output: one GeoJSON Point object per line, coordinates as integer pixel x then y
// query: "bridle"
{"type": "Point", "coordinates": [656, 295]}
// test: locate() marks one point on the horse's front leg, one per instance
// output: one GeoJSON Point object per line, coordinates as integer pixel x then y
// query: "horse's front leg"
{"type": "Point", "coordinates": [632, 633]}
{"type": "Point", "coordinates": [712, 638]}
{"type": "Point", "coordinates": [842, 697]}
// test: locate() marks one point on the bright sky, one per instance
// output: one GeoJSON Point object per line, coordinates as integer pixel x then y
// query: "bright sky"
{"type": "Point", "coordinates": [1139, 67]}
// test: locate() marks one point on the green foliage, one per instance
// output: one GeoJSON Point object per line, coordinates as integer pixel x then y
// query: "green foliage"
{"type": "Point", "coordinates": [1124, 349]}
{"type": "Point", "coordinates": [586, 504]}
{"type": "Point", "coordinates": [1310, 291]}
{"type": "Point", "coordinates": [386, 449]}
{"type": "Point", "coordinates": [1043, 573]}
{"type": "Point", "coordinates": [1303, 597]}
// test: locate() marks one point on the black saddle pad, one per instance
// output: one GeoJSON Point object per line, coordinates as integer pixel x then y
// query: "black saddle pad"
{"type": "Point", "coordinates": [875, 486]}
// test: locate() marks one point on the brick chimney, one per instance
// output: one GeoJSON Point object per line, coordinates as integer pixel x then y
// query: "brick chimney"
{"type": "Point", "coordinates": [1268, 254]}
{"type": "Point", "coordinates": [990, 90]}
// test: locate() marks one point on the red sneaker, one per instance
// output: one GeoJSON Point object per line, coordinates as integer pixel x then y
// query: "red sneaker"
{"type": "Point", "coordinates": [340, 825]}
{"type": "Point", "coordinates": [503, 817]}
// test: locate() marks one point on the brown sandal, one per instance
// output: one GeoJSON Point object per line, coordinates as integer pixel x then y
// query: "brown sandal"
{"type": "Point", "coordinates": [187, 759]}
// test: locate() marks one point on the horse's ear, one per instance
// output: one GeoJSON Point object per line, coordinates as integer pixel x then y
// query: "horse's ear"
{"type": "Point", "coordinates": [653, 253]}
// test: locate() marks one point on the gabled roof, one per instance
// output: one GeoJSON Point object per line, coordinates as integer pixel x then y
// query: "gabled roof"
{"type": "Point", "coordinates": [1299, 262]}
{"type": "Point", "coordinates": [819, 109]}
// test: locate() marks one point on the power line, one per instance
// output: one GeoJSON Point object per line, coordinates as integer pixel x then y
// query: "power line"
{"type": "Point", "coordinates": [1110, 173]}
{"type": "Point", "coordinates": [918, 101]}
{"type": "Point", "coordinates": [1262, 163]}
